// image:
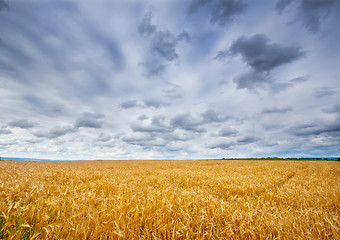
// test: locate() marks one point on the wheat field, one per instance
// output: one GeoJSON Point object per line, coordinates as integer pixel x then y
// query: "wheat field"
{"type": "Point", "coordinates": [170, 200]}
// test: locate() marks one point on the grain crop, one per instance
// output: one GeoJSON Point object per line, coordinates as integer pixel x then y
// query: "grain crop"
{"type": "Point", "coordinates": [170, 200]}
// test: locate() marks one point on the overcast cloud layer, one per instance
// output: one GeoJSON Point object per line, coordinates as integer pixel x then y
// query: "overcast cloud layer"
{"type": "Point", "coordinates": [169, 79]}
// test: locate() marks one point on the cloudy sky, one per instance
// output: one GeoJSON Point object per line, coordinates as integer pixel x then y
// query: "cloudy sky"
{"type": "Point", "coordinates": [169, 79]}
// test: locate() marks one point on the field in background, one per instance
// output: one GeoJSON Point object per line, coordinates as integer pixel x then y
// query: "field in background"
{"type": "Point", "coordinates": [170, 200]}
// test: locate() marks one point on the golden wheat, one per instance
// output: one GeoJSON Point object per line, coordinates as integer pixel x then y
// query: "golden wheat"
{"type": "Point", "coordinates": [170, 200]}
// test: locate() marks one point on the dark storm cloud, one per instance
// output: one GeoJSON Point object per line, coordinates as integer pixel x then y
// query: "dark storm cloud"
{"type": "Point", "coordinates": [57, 36]}
{"type": "Point", "coordinates": [220, 146]}
{"type": "Point", "coordinates": [304, 129]}
{"type": "Point", "coordinates": [6, 68]}
{"type": "Point", "coordinates": [184, 36]}
{"type": "Point", "coordinates": [227, 145]}
{"type": "Point", "coordinates": [324, 92]}
{"type": "Point", "coordinates": [222, 55]}
{"type": "Point", "coordinates": [172, 141]}
{"type": "Point", "coordinates": [161, 129]}
{"type": "Point", "coordinates": [310, 12]}
{"type": "Point", "coordinates": [222, 82]}
{"type": "Point", "coordinates": [158, 125]}
{"type": "Point", "coordinates": [14, 59]}
{"type": "Point", "coordinates": [299, 79]}
{"type": "Point", "coordinates": [335, 109]}
{"type": "Point", "coordinates": [313, 12]}
{"type": "Point", "coordinates": [186, 122]}
{"type": "Point", "coordinates": [163, 46]}
{"type": "Point", "coordinates": [226, 132]}
{"type": "Point", "coordinates": [109, 45]}
{"type": "Point", "coordinates": [277, 87]}
{"type": "Point", "coordinates": [163, 43]}
{"type": "Point", "coordinates": [149, 102]}
{"type": "Point", "coordinates": [3, 5]}
{"type": "Point", "coordinates": [150, 128]}
{"type": "Point", "coordinates": [129, 104]}
{"type": "Point", "coordinates": [174, 137]}
{"type": "Point", "coordinates": [211, 116]}
{"type": "Point", "coordinates": [43, 106]}
{"type": "Point", "coordinates": [32, 20]}
{"type": "Point", "coordinates": [142, 117]}
{"type": "Point", "coordinates": [281, 5]}
{"type": "Point", "coordinates": [221, 11]}
{"type": "Point", "coordinates": [261, 55]}
{"type": "Point", "coordinates": [158, 120]}
{"type": "Point", "coordinates": [90, 120]}
{"type": "Point", "coordinates": [103, 137]}
{"type": "Point", "coordinates": [241, 141]}
{"type": "Point", "coordinates": [175, 148]}
{"type": "Point", "coordinates": [155, 103]}
{"type": "Point", "coordinates": [33, 141]}
{"type": "Point", "coordinates": [145, 28]}
{"type": "Point", "coordinates": [88, 123]}
{"type": "Point", "coordinates": [173, 93]}
{"type": "Point", "coordinates": [154, 70]}
{"type": "Point", "coordinates": [195, 5]}
{"type": "Point", "coordinates": [330, 129]}
{"type": "Point", "coordinates": [5, 131]}
{"type": "Point", "coordinates": [276, 110]}
{"type": "Point", "coordinates": [333, 128]}
{"type": "Point", "coordinates": [55, 132]}
{"type": "Point", "coordinates": [248, 139]}
{"type": "Point", "coordinates": [22, 123]}
{"type": "Point", "coordinates": [252, 79]}
{"type": "Point", "coordinates": [140, 140]}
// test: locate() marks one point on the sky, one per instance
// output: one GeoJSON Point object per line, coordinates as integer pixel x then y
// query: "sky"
{"type": "Point", "coordinates": [169, 79]}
